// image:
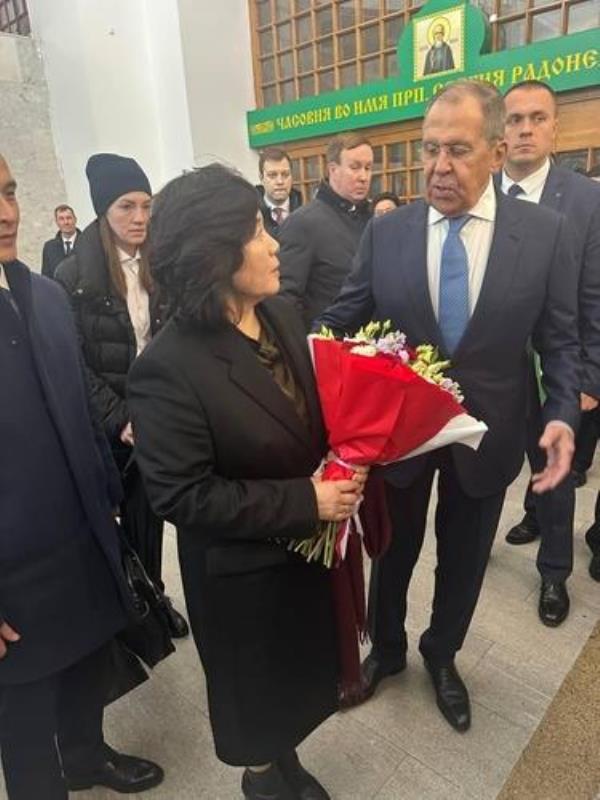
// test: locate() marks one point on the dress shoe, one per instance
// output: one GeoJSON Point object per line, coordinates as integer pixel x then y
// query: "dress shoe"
{"type": "Point", "coordinates": [178, 627]}
{"type": "Point", "coordinates": [304, 785]}
{"type": "Point", "coordinates": [592, 538]}
{"type": "Point", "coordinates": [373, 670]}
{"type": "Point", "coordinates": [266, 785]}
{"type": "Point", "coordinates": [121, 773]}
{"type": "Point", "coordinates": [451, 694]}
{"type": "Point", "coordinates": [554, 602]}
{"type": "Point", "coordinates": [526, 531]}
{"type": "Point", "coordinates": [579, 478]}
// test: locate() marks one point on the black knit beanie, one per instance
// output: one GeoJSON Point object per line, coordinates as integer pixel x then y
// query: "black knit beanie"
{"type": "Point", "coordinates": [112, 176]}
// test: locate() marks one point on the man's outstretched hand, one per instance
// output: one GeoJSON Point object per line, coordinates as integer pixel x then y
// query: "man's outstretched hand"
{"type": "Point", "coordinates": [559, 443]}
{"type": "Point", "coordinates": [7, 635]}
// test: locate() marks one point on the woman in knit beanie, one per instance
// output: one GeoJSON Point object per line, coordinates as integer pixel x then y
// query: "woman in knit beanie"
{"type": "Point", "coordinates": [118, 310]}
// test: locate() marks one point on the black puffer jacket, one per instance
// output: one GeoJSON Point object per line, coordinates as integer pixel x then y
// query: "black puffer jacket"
{"type": "Point", "coordinates": [107, 335]}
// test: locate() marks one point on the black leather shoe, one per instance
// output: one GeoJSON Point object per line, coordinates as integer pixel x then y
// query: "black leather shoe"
{"type": "Point", "coordinates": [579, 478]}
{"type": "Point", "coordinates": [526, 531]}
{"type": "Point", "coordinates": [594, 567]}
{"type": "Point", "coordinates": [592, 538]}
{"type": "Point", "coordinates": [267, 785]}
{"type": "Point", "coordinates": [554, 603]}
{"type": "Point", "coordinates": [451, 694]}
{"type": "Point", "coordinates": [373, 670]}
{"type": "Point", "coordinates": [304, 785]}
{"type": "Point", "coordinates": [178, 627]}
{"type": "Point", "coordinates": [121, 773]}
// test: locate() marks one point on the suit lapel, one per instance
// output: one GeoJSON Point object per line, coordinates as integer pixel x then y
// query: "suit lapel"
{"type": "Point", "coordinates": [253, 379]}
{"type": "Point", "coordinates": [553, 192]}
{"type": "Point", "coordinates": [500, 271]}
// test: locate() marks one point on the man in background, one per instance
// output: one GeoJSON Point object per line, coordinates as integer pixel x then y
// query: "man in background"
{"type": "Point", "coordinates": [320, 240]}
{"type": "Point", "coordinates": [62, 244]}
{"type": "Point", "coordinates": [530, 175]}
{"type": "Point", "coordinates": [278, 198]}
{"type": "Point", "coordinates": [62, 590]}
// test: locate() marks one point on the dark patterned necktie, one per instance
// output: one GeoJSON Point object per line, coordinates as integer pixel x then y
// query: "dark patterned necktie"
{"type": "Point", "coordinates": [515, 190]}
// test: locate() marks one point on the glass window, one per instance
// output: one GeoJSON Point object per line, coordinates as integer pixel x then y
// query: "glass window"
{"type": "Point", "coordinates": [263, 8]}
{"type": "Point", "coordinates": [369, 40]}
{"type": "Point", "coordinates": [546, 25]}
{"type": "Point", "coordinates": [306, 86]}
{"type": "Point", "coordinates": [397, 183]}
{"type": "Point", "coordinates": [512, 34]}
{"type": "Point", "coordinates": [347, 46]}
{"type": "Point", "coordinates": [378, 158]}
{"type": "Point", "coordinates": [396, 155]}
{"type": "Point", "coordinates": [326, 81]}
{"type": "Point", "coordinates": [288, 91]}
{"type": "Point", "coordinates": [282, 9]}
{"type": "Point", "coordinates": [286, 65]}
{"type": "Point", "coordinates": [268, 70]}
{"type": "Point", "coordinates": [346, 15]}
{"type": "Point", "coordinates": [270, 95]}
{"type": "Point", "coordinates": [306, 59]}
{"type": "Point", "coordinates": [393, 5]}
{"type": "Point", "coordinates": [312, 168]}
{"type": "Point", "coordinates": [487, 6]}
{"type": "Point", "coordinates": [417, 182]}
{"type": "Point", "coordinates": [325, 52]}
{"type": "Point", "coordinates": [512, 6]}
{"type": "Point", "coordinates": [303, 30]}
{"type": "Point", "coordinates": [584, 16]}
{"type": "Point", "coordinates": [311, 190]}
{"type": "Point", "coordinates": [416, 151]}
{"type": "Point", "coordinates": [302, 5]}
{"type": "Point", "coordinates": [536, 3]}
{"type": "Point", "coordinates": [390, 64]}
{"type": "Point", "coordinates": [266, 42]}
{"type": "Point", "coordinates": [324, 19]}
{"type": "Point", "coordinates": [393, 29]}
{"type": "Point", "coordinates": [371, 69]}
{"type": "Point", "coordinates": [348, 76]}
{"type": "Point", "coordinates": [573, 159]}
{"type": "Point", "coordinates": [370, 10]}
{"type": "Point", "coordinates": [284, 36]}
{"type": "Point", "coordinates": [376, 185]}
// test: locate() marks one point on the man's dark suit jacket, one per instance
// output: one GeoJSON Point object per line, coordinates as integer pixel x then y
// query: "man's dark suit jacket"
{"type": "Point", "coordinates": [53, 253]}
{"type": "Point", "coordinates": [529, 291]}
{"type": "Point", "coordinates": [272, 228]}
{"type": "Point", "coordinates": [61, 581]}
{"type": "Point", "coordinates": [578, 198]}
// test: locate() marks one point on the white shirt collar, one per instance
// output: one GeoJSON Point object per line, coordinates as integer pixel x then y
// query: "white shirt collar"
{"type": "Point", "coordinates": [270, 204]}
{"type": "Point", "coordinates": [484, 208]}
{"type": "Point", "coordinates": [532, 183]}
{"type": "Point", "coordinates": [3, 280]}
{"type": "Point", "coordinates": [124, 257]}
{"type": "Point", "coordinates": [69, 238]}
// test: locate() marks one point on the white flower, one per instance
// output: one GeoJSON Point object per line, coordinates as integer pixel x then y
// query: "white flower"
{"type": "Point", "coordinates": [364, 350]}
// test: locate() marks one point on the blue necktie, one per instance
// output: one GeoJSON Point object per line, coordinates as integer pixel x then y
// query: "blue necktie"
{"type": "Point", "coordinates": [454, 285]}
{"type": "Point", "coordinates": [515, 190]}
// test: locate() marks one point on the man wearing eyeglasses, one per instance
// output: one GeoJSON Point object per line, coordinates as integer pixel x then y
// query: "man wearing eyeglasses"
{"type": "Point", "coordinates": [279, 199]}
{"type": "Point", "coordinates": [477, 274]}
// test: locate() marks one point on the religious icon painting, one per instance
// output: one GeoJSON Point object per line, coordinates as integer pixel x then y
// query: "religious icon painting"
{"type": "Point", "coordinates": [439, 43]}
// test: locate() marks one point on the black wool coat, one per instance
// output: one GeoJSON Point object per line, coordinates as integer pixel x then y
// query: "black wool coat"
{"type": "Point", "coordinates": [227, 459]}
{"type": "Point", "coordinates": [105, 329]}
{"type": "Point", "coordinates": [61, 581]}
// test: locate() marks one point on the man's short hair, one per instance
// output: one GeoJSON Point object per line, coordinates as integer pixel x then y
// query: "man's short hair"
{"type": "Point", "coordinates": [344, 141]}
{"type": "Point", "coordinates": [272, 154]}
{"type": "Point", "coordinates": [490, 101]}
{"type": "Point", "coordinates": [63, 207]}
{"type": "Point", "coordinates": [533, 84]}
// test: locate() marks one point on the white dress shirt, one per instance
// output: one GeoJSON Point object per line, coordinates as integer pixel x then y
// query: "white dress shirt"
{"type": "Point", "coordinates": [3, 281]}
{"type": "Point", "coordinates": [476, 235]}
{"type": "Point", "coordinates": [285, 208]}
{"type": "Point", "coordinates": [70, 239]}
{"type": "Point", "coordinates": [532, 185]}
{"type": "Point", "coordinates": [138, 302]}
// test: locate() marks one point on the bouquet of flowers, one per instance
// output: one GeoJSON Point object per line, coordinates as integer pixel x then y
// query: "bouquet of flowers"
{"type": "Point", "coordinates": [382, 402]}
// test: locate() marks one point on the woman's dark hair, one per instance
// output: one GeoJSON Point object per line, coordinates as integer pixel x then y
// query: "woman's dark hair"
{"type": "Point", "coordinates": [200, 223]}
{"type": "Point", "coordinates": [386, 196]}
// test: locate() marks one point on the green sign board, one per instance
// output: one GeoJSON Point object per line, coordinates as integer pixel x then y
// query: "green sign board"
{"type": "Point", "coordinates": [443, 42]}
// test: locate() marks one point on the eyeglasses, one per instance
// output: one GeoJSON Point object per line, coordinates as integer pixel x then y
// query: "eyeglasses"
{"type": "Point", "coordinates": [456, 152]}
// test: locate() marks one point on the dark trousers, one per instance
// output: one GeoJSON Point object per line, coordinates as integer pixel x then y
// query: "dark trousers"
{"type": "Point", "coordinates": [465, 528]}
{"type": "Point", "coordinates": [554, 512]}
{"type": "Point", "coordinates": [56, 720]}
{"type": "Point", "coordinates": [585, 444]}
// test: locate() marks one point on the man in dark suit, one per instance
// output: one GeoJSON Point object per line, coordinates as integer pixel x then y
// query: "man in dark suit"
{"type": "Point", "coordinates": [278, 198]}
{"type": "Point", "coordinates": [63, 243]}
{"type": "Point", "coordinates": [320, 240]}
{"type": "Point", "coordinates": [476, 274]}
{"type": "Point", "coordinates": [62, 591]}
{"type": "Point", "coordinates": [530, 175]}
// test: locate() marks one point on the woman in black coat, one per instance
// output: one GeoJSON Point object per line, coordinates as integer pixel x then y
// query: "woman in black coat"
{"type": "Point", "coordinates": [117, 311]}
{"type": "Point", "coordinates": [228, 436]}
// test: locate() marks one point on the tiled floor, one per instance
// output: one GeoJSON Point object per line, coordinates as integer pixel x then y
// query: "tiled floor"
{"type": "Point", "coordinates": [396, 747]}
